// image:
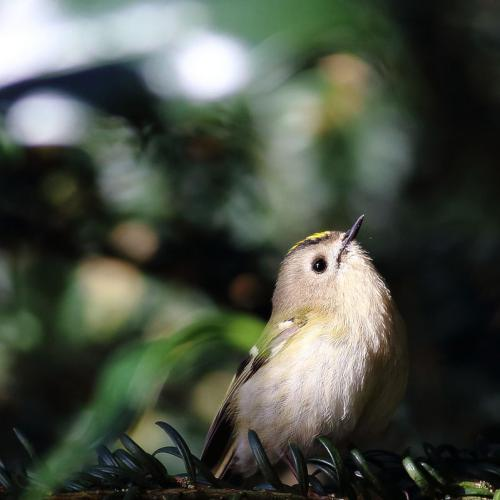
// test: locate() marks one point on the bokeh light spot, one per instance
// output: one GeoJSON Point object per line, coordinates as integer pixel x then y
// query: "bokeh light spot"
{"type": "Point", "coordinates": [47, 118]}
{"type": "Point", "coordinates": [244, 290]}
{"type": "Point", "coordinates": [349, 81]}
{"type": "Point", "coordinates": [346, 69]}
{"type": "Point", "coordinates": [59, 189]}
{"type": "Point", "coordinates": [135, 239]}
{"type": "Point", "coordinates": [112, 291]}
{"type": "Point", "coordinates": [204, 67]}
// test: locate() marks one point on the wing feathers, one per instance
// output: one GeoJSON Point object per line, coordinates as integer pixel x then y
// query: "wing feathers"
{"type": "Point", "coordinates": [219, 448]}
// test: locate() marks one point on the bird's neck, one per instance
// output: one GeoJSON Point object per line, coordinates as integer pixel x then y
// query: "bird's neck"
{"type": "Point", "coordinates": [365, 309]}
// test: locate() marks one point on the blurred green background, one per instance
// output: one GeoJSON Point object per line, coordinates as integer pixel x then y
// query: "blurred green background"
{"type": "Point", "coordinates": [158, 158]}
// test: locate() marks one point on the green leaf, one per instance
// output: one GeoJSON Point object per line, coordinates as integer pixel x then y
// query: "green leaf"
{"type": "Point", "coordinates": [169, 450]}
{"type": "Point", "coordinates": [262, 460]}
{"type": "Point", "coordinates": [367, 473]}
{"type": "Point", "coordinates": [416, 474]}
{"type": "Point", "coordinates": [205, 471]}
{"type": "Point", "coordinates": [104, 473]}
{"type": "Point", "coordinates": [316, 486]}
{"type": "Point", "coordinates": [434, 473]}
{"type": "Point", "coordinates": [25, 443]}
{"type": "Point", "coordinates": [183, 449]}
{"type": "Point", "coordinates": [127, 461]}
{"type": "Point", "coordinates": [326, 467]}
{"type": "Point", "coordinates": [299, 468]}
{"type": "Point", "coordinates": [475, 488]}
{"type": "Point", "coordinates": [105, 457]}
{"type": "Point", "coordinates": [149, 462]}
{"type": "Point", "coordinates": [5, 480]}
{"type": "Point", "coordinates": [336, 460]}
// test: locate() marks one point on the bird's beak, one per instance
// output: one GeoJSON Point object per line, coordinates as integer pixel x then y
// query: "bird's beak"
{"type": "Point", "coordinates": [350, 235]}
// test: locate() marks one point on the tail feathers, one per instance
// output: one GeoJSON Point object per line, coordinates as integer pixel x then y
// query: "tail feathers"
{"type": "Point", "coordinates": [220, 445]}
{"type": "Point", "coordinates": [223, 467]}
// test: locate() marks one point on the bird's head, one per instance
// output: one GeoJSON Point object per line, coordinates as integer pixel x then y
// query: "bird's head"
{"type": "Point", "coordinates": [328, 272]}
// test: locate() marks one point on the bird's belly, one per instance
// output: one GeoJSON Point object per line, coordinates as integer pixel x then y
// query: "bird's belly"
{"type": "Point", "coordinates": [319, 389]}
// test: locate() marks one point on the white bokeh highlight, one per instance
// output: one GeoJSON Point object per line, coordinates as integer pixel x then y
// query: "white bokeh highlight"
{"type": "Point", "coordinates": [40, 36]}
{"type": "Point", "coordinates": [203, 66]}
{"type": "Point", "coordinates": [46, 118]}
{"type": "Point", "coordinates": [211, 66]}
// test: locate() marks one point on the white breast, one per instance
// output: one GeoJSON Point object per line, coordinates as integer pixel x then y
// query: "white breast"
{"type": "Point", "coordinates": [316, 387]}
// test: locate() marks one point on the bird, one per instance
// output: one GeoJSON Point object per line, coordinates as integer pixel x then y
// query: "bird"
{"type": "Point", "coordinates": [332, 359]}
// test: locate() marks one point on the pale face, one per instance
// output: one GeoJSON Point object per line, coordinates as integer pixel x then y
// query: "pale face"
{"type": "Point", "coordinates": [317, 271]}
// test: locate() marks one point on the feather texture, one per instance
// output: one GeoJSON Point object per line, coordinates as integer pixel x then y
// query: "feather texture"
{"type": "Point", "coordinates": [220, 441]}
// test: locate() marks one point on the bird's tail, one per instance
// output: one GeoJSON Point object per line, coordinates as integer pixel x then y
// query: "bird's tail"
{"type": "Point", "coordinates": [223, 468]}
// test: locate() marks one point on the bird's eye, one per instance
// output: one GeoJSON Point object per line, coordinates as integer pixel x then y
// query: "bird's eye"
{"type": "Point", "coordinates": [319, 265]}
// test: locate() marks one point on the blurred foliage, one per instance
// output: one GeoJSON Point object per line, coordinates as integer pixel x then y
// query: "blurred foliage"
{"type": "Point", "coordinates": [158, 158]}
{"type": "Point", "coordinates": [133, 378]}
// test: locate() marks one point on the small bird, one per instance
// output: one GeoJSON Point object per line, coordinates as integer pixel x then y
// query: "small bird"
{"type": "Point", "coordinates": [332, 359]}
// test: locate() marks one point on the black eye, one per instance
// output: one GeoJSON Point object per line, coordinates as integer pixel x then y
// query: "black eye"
{"type": "Point", "coordinates": [319, 265]}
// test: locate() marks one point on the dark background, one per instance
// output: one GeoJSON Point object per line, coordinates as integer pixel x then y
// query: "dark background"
{"type": "Point", "coordinates": [132, 204]}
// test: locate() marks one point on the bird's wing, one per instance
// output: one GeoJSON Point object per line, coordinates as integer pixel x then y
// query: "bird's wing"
{"type": "Point", "coordinates": [220, 441]}
{"type": "Point", "coordinates": [218, 449]}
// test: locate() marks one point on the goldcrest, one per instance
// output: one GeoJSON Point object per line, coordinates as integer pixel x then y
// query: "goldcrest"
{"type": "Point", "coordinates": [331, 361]}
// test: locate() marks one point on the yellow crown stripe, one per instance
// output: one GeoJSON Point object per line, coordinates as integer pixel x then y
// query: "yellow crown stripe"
{"type": "Point", "coordinates": [315, 237]}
